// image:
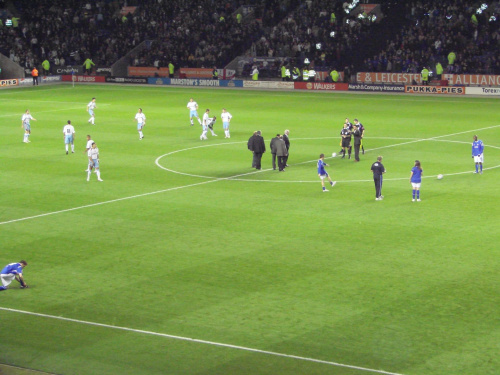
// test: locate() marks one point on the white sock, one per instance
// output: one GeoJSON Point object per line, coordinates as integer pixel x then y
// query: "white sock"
{"type": "Point", "coordinates": [140, 134]}
{"type": "Point", "coordinates": [98, 174]}
{"type": "Point", "coordinates": [88, 174]}
{"type": "Point", "coordinates": [212, 132]}
{"type": "Point", "coordinates": [72, 148]}
{"type": "Point", "coordinates": [25, 137]}
{"type": "Point", "coordinates": [192, 123]}
{"type": "Point", "coordinates": [199, 121]}
{"type": "Point", "coordinates": [66, 147]}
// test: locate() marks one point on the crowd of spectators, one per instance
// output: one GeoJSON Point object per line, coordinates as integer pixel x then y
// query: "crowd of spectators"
{"type": "Point", "coordinates": [66, 32]}
{"type": "Point", "coordinates": [434, 29]}
{"type": "Point", "coordinates": [196, 33]}
{"type": "Point", "coordinates": [320, 31]}
{"type": "Point", "coordinates": [206, 33]}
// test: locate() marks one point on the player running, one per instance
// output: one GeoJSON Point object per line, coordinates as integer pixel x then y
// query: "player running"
{"type": "Point", "coordinates": [193, 111]}
{"type": "Point", "coordinates": [25, 119]}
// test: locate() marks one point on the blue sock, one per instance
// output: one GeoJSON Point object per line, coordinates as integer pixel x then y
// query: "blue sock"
{"type": "Point", "coordinates": [3, 288]}
{"type": "Point", "coordinates": [413, 193]}
{"type": "Point", "coordinates": [481, 167]}
{"type": "Point", "coordinates": [418, 194]}
{"type": "Point", "coordinates": [476, 168]}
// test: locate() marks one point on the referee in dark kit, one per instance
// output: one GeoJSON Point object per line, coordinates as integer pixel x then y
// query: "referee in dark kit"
{"type": "Point", "coordinates": [378, 170]}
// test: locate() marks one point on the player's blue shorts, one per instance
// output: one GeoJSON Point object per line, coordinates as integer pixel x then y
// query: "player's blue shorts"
{"type": "Point", "coordinates": [96, 163]}
{"type": "Point", "coordinates": [91, 112]}
{"type": "Point", "coordinates": [27, 127]}
{"type": "Point", "coordinates": [139, 125]}
{"type": "Point", "coordinates": [225, 125]}
{"type": "Point", "coordinates": [193, 113]}
{"type": "Point", "coordinates": [68, 139]}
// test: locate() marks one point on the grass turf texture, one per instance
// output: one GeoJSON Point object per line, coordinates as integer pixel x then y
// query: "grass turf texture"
{"type": "Point", "coordinates": [269, 263]}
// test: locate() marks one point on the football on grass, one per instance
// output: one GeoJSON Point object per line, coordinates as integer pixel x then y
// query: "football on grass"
{"type": "Point", "coordinates": [334, 154]}
{"type": "Point", "coordinates": [440, 176]}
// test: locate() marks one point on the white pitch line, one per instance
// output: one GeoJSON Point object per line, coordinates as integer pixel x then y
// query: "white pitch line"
{"type": "Point", "coordinates": [213, 179]}
{"type": "Point", "coordinates": [199, 341]}
{"type": "Point", "coordinates": [106, 202]}
{"type": "Point", "coordinates": [52, 110]}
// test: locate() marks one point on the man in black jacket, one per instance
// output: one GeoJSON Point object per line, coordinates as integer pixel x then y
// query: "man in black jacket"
{"type": "Point", "coordinates": [273, 146]}
{"type": "Point", "coordinates": [287, 144]}
{"type": "Point", "coordinates": [357, 142]}
{"type": "Point", "coordinates": [258, 147]}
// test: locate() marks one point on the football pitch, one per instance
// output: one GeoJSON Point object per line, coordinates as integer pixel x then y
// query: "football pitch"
{"type": "Point", "coordinates": [185, 260]}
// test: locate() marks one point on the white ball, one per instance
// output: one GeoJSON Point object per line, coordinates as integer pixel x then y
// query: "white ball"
{"type": "Point", "coordinates": [440, 176]}
{"type": "Point", "coordinates": [334, 154]}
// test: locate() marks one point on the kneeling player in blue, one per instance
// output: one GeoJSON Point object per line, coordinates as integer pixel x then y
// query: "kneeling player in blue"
{"type": "Point", "coordinates": [13, 271]}
{"type": "Point", "coordinates": [416, 180]}
{"type": "Point", "coordinates": [322, 173]}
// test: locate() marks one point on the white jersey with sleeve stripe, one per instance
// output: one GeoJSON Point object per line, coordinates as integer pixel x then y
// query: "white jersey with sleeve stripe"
{"type": "Point", "coordinates": [26, 118]}
{"type": "Point", "coordinates": [140, 117]}
{"type": "Point", "coordinates": [94, 153]}
{"type": "Point", "coordinates": [226, 117]}
{"type": "Point", "coordinates": [192, 106]}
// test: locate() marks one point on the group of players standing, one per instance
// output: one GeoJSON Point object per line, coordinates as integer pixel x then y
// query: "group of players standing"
{"type": "Point", "coordinates": [208, 122]}
{"type": "Point", "coordinates": [356, 130]}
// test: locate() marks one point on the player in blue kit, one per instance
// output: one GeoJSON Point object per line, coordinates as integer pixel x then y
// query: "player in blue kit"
{"type": "Point", "coordinates": [322, 173]}
{"type": "Point", "coordinates": [13, 271]}
{"type": "Point", "coordinates": [416, 180]}
{"type": "Point", "coordinates": [477, 154]}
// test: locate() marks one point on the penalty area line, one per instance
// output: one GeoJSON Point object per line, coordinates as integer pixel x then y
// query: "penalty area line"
{"type": "Point", "coordinates": [199, 341]}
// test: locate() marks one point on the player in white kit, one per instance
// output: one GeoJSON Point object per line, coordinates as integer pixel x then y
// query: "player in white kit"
{"type": "Point", "coordinates": [141, 122]}
{"type": "Point", "coordinates": [69, 136]}
{"type": "Point", "coordinates": [94, 162]}
{"type": "Point", "coordinates": [193, 111]}
{"type": "Point", "coordinates": [90, 109]}
{"type": "Point", "coordinates": [208, 123]}
{"type": "Point", "coordinates": [26, 118]}
{"type": "Point", "coordinates": [226, 119]}
{"type": "Point", "coordinates": [88, 147]}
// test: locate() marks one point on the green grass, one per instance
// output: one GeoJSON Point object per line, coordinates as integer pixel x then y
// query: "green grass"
{"type": "Point", "coordinates": [262, 260]}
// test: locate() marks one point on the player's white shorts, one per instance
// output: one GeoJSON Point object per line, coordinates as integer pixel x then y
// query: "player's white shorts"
{"type": "Point", "coordinates": [91, 112]}
{"type": "Point", "coordinates": [139, 125]}
{"type": "Point", "coordinates": [225, 125]}
{"type": "Point", "coordinates": [193, 113]}
{"type": "Point", "coordinates": [7, 278]}
{"type": "Point", "coordinates": [27, 127]}
{"type": "Point", "coordinates": [68, 139]}
{"type": "Point", "coordinates": [96, 163]}
{"type": "Point", "coordinates": [323, 176]}
{"type": "Point", "coordinates": [416, 185]}
{"type": "Point", "coordinates": [478, 158]}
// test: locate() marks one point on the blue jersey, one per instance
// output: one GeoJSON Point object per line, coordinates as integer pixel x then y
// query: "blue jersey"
{"type": "Point", "coordinates": [13, 268]}
{"type": "Point", "coordinates": [417, 175]}
{"type": "Point", "coordinates": [321, 167]}
{"type": "Point", "coordinates": [477, 148]}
